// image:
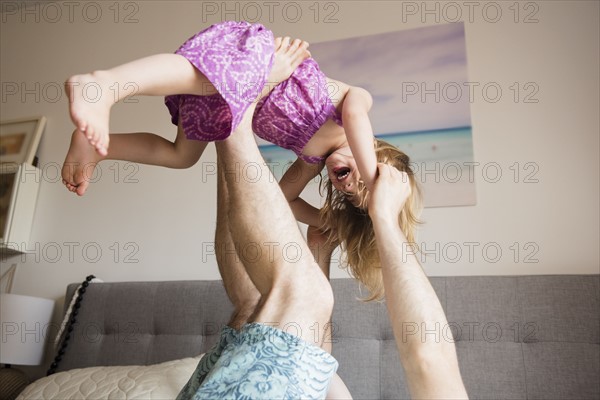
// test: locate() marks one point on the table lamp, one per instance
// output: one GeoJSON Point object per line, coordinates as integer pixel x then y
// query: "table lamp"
{"type": "Point", "coordinates": [24, 326]}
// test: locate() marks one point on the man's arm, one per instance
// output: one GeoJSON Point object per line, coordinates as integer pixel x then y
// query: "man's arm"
{"type": "Point", "coordinates": [430, 362]}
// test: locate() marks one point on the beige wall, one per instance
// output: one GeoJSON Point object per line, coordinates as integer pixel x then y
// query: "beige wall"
{"type": "Point", "coordinates": [153, 224]}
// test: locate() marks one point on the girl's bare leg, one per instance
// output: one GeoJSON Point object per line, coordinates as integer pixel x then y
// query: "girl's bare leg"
{"type": "Point", "coordinates": [143, 148]}
{"type": "Point", "coordinates": [148, 148]}
{"type": "Point", "coordinates": [92, 95]}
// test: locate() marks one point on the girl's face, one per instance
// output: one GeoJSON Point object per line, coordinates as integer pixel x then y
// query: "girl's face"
{"type": "Point", "coordinates": [342, 171]}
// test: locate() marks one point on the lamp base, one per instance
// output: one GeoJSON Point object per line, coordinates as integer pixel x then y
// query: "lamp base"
{"type": "Point", "coordinates": [12, 382]}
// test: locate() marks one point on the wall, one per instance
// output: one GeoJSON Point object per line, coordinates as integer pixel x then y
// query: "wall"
{"type": "Point", "coordinates": [148, 223]}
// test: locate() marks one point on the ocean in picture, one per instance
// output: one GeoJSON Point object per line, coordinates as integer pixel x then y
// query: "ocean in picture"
{"type": "Point", "coordinates": [442, 161]}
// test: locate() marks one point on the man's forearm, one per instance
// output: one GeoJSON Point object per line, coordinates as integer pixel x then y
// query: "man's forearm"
{"type": "Point", "coordinates": [429, 360]}
{"type": "Point", "coordinates": [410, 297]}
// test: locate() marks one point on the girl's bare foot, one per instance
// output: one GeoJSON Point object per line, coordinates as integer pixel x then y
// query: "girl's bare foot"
{"type": "Point", "coordinates": [288, 56]}
{"type": "Point", "coordinates": [90, 99]}
{"type": "Point", "coordinates": [80, 164]}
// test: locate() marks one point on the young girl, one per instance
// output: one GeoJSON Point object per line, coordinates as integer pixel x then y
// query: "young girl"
{"type": "Point", "coordinates": [209, 83]}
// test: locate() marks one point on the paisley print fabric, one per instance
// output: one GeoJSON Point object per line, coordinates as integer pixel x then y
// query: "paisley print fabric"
{"type": "Point", "coordinates": [206, 363]}
{"type": "Point", "coordinates": [237, 58]}
{"type": "Point", "coordinates": [295, 110]}
{"type": "Point", "coordinates": [263, 362]}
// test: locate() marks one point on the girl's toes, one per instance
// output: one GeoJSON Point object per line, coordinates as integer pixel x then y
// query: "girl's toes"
{"type": "Point", "coordinates": [89, 133]}
{"type": "Point", "coordinates": [82, 126]}
{"type": "Point", "coordinates": [102, 149]}
{"type": "Point", "coordinates": [81, 189]}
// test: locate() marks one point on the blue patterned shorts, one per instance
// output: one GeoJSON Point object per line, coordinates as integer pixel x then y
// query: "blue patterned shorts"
{"type": "Point", "coordinates": [206, 364]}
{"type": "Point", "coordinates": [261, 362]}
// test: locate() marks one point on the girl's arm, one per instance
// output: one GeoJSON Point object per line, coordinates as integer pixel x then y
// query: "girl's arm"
{"type": "Point", "coordinates": [320, 247]}
{"type": "Point", "coordinates": [293, 183]}
{"type": "Point", "coordinates": [359, 132]}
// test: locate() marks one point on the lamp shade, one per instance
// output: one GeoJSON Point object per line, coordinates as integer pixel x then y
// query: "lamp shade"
{"type": "Point", "coordinates": [25, 322]}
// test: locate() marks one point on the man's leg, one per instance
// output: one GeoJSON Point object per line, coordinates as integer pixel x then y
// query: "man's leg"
{"type": "Point", "coordinates": [241, 291]}
{"type": "Point", "coordinates": [297, 295]}
{"type": "Point", "coordinates": [261, 361]}
{"type": "Point", "coordinates": [239, 288]}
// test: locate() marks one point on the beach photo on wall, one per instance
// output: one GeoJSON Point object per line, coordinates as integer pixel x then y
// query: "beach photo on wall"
{"type": "Point", "coordinates": [418, 80]}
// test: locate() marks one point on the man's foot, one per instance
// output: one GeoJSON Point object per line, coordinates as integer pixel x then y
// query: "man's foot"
{"type": "Point", "coordinates": [288, 56]}
{"type": "Point", "coordinates": [80, 164]}
{"type": "Point", "coordinates": [89, 105]}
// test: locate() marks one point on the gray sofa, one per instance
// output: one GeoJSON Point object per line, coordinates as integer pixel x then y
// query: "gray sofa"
{"type": "Point", "coordinates": [527, 337]}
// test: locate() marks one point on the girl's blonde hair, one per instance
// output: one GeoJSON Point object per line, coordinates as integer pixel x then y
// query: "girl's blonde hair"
{"type": "Point", "coordinates": [351, 226]}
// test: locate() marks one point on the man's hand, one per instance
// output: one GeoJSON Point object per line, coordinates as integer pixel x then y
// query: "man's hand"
{"type": "Point", "coordinates": [390, 192]}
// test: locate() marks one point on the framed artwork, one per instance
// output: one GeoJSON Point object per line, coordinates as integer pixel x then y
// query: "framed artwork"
{"type": "Point", "coordinates": [8, 177]}
{"type": "Point", "coordinates": [418, 79]}
{"type": "Point", "coordinates": [19, 187]}
{"type": "Point", "coordinates": [19, 139]}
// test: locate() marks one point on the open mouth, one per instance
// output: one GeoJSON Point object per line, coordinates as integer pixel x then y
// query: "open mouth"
{"type": "Point", "coordinates": [341, 173]}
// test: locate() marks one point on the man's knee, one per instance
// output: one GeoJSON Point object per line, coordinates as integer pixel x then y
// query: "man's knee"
{"type": "Point", "coordinates": [325, 293]}
{"type": "Point", "coordinates": [308, 285]}
{"type": "Point", "coordinates": [248, 303]}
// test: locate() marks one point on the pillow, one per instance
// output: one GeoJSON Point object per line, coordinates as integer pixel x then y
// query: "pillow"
{"type": "Point", "coordinates": [158, 381]}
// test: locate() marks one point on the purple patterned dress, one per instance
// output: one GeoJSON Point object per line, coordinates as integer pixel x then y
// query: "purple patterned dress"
{"type": "Point", "coordinates": [237, 58]}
